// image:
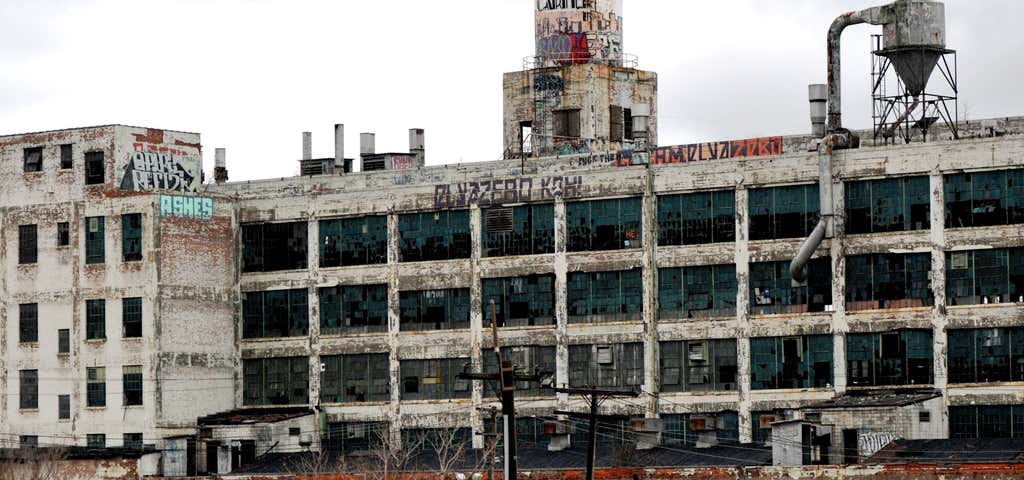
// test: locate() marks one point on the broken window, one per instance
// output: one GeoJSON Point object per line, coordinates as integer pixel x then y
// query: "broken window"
{"type": "Point", "coordinates": [567, 124]}
{"type": "Point", "coordinates": [28, 248]}
{"type": "Point", "coordinates": [627, 123]}
{"type": "Point", "coordinates": [520, 301]}
{"type": "Point", "coordinates": [528, 360]}
{"type": "Point", "coordinates": [131, 237]}
{"type": "Point", "coordinates": [63, 234]}
{"type": "Point", "coordinates": [984, 198]}
{"type": "Point", "coordinates": [66, 161]}
{"type": "Point", "coordinates": [902, 357]}
{"type": "Point", "coordinates": [791, 362]}
{"type": "Point", "coordinates": [269, 247]}
{"type": "Point", "coordinates": [353, 309]}
{"type": "Point", "coordinates": [520, 230]}
{"type": "Point", "coordinates": [773, 291]}
{"type": "Point", "coordinates": [275, 381]}
{"type": "Point", "coordinates": [33, 159]}
{"type": "Point", "coordinates": [28, 441]}
{"type": "Point", "coordinates": [986, 421]}
{"type": "Point", "coordinates": [698, 365]}
{"type": "Point", "coordinates": [95, 249]}
{"type": "Point", "coordinates": [434, 309]}
{"type": "Point", "coordinates": [355, 378]}
{"type": "Point", "coordinates": [131, 383]}
{"type": "Point", "coordinates": [63, 341]}
{"type": "Point", "coordinates": [783, 212]}
{"type": "Point", "coordinates": [600, 297]}
{"type": "Point", "coordinates": [95, 387]}
{"type": "Point", "coordinates": [697, 292]}
{"type": "Point", "coordinates": [28, 323]}
{"type": "Point", "coordinates": [434, 379]}
{"type": "Point", "coordinates": [275, 313]}
{"type": "Point", "coordinates": [697, 218]}
{"type": "Point", "coordinates": [685, 429]}
{"type": "Point", "coordinates": [354, 241]}
{"type": "Point", "coordinates": [96, 440]}
{"type": "Point", "coordinates": [440, 235]}
{"type": "Point", "coordinates": [986, 355]}
{"type": "Point", "coordinates": [616, 365]}
{"type": "Point", "coordinates": [888, 205]}
{"type": "Point", "coordinates": [888, 280]}
{"type": "Point", "coordinates": [616, 123]}
{"type": "Point", "coordinates": [28, 389]}
{"type": "Point", "coordinates": [94, 168]}
{"type": "Point", "coordinates": [603, 224]}
{"type": "Point", "coordinates": [352, 437]}
{"type": "Point", "coordinates": [95, 319]}
{"type": "Point", "coordinates": [132, 441]}
{"type": "Point", "coordinates": [63, 407]}
{"type": "Point", "coordinates": [985, 276]}
{"type": "Point", "coordinates": [131, 317]}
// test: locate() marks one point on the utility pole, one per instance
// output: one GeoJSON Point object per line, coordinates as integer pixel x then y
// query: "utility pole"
{"type": "Point", "coordinates": [596, 396]}
{"type": "Point", "coordinates": [507, 377]}
{"type": "Point", "coordinates": [493, 439]}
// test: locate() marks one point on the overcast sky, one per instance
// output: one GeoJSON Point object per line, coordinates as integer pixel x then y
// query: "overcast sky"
{"type": "Point", "coordinates": [252, 75]}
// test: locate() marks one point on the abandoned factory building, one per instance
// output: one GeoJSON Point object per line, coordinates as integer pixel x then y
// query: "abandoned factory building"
{"type": "Point", "coordinates": [142, 305]}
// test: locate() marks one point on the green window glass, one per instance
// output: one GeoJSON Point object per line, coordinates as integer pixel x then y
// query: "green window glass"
{"type": "Point", "coordinates": [132, 385]}
{"type": "Point", "coordinates": [355, 378]}
{"type": "Point", "coordinates": [791, 362]}
{"type": "Point", "coordinates": [520, 301]}
{"type": "Point", "coordinates": [615, 365]}
{"type": "Point", "coordinates": [888, 205]}
{"type": "Point", "coordinates": [986, 355]}
{"type": "Point", "coordinates": [697, 218]}
{"type": "Point", "coordinates": [532, 359]}
{"type": "Point", "coordinates": [599, 297]}
{"type": "Point", "coordinates": [772, 290]}
{"type": "Point", "coordinates": [95, 319]}
{"type": "Point", "coordinates": [269, 247]}
{"type": "Point", "coordinates": [892, 358]}
{"type": "Point", "coordinates": [984, 198]}
{"type": "Point", "coordinates": [697, 292]}
{"type": "Point", "coordinates": [434, 379]}
{"type": "Point", "coordinates": [275, 381]}
{"type": "Point", "coordinates": [275, 313]}
{"type": "Point", "coordinates": [95, 250]}
{"type": "Point", "coordinates": [783, 212]}
{"type": "Point", "coordinates": [434, 309]}
{"type": "Point", "coordinates": [603, 224]}
{"type": "Point", "coordinates": [986, 421]}
{"type": "Point", "coordinates": [439, 235]}
{"type": "Point", "coordinates": [678, 432]}
{"type": "Point", "coordinates": [131, 317]}
{"type": "Point", "coordinates": [354, 309]}
{"type": "Point", "coordinates": [96, 387]}
{"type": "Point", "coordinates": [880, 281]}
{"type": "Point", "coordinates": [985, 276]}
{"type": "Point", "coordinates": [354, 241]}
{"type": "Point", "coordinates": [520, 230]}
{"type": "Point", "coordinates": [131, 237]}
{"type": "Point", "coordinates": [698, 365]}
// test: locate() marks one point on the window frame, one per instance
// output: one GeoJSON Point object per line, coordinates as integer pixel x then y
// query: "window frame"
{"type": "Point", "coordinates": [28, 244]}
{"type": "Point", "coordinates": [32, 160]}
{"type": "Point", "coordinates": [131, 237]}
{"type": "Point", "coordinates": [96, 319]}
{"type": "Point", "coordinates": [132, 385]}
{"type": "Point", "coordinates": [96, 387]}
{"type": "Point", "coordinates": [28, 389]}
{"type": "Point", "coordinates": [95, 240]}
{"type": "Point", "coordinates": [95, 168]}
{"type": "Point", "coordinates": [28, 323]}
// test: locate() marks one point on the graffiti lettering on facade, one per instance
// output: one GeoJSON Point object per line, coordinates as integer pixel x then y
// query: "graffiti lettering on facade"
{"type": "Point", "coordinates": [402, 162]}
{"type": "Point", "coordinates": [871, 442]}
{"type": "Point", "coordinates": [159, 167]}
{"type": "Point", "coordinates": [196, 208]}
{"type": "Point", "coordinates": [543, 5]}
{"type": "Point", "coordinates": [564, 48]}
{"type": "Point", "coordinates": [513, 190]}
{"type": "Point", "coordinates": [754, 147]}
{"type": "Point", "coordinates": [548, 83]}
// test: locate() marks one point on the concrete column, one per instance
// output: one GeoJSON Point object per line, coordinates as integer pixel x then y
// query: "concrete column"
{"type": "Point", "coordinates": [394, 410]}
{"type": "Point", "coordinates": [650, 297]}
{"type": "Point", "coordinates": [840, 326]}
{"type": "Point", "coordinates": [476, 320]}
{"type": "Point", "coordinates": [561, 304]}
{"type": "Point", "coordinates": [743, 312]}
{"type": "Point", "coordinates": [313, 307]}
{"type": "Point", "coordinates": [937, 236]}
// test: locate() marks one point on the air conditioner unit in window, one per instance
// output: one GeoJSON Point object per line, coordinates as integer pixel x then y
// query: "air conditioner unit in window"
{"type": "Point", "coordinates": [646, 425]}
{"type": "Point", "coordinates": [766, 421]}
{"type": "Point", "coordinates": [702, 423]}
{"type": "Point", "coordinates": [958, 261]}
{"type": "Point", "coordinates": [557, 428]}
{"type": "Point", "coordinates": [604, 356]}
{"type": "Point", "coordinates": [697, 351]}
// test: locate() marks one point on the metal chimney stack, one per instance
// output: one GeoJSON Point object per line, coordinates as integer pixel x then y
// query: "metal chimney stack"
{"type": "Point", "coordinates": [417, 145]}
{"type": "Point", "coordinates": [307, 145]}
{"type": "Point", "coordinates": [367, 146]}
{"type": "Point", "coordinates": [339, 146]}
{"type": "Point", "coordinates": [220, 168]}
{"type": "Point", "coordinates": [817, 94]}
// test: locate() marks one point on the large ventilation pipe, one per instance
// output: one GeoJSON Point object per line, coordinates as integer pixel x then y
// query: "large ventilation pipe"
{"type": "Point", "coordinates": [307, 145]}
{"type": "Point", "coordinates": [339, 146]}
{"type": "Point", "coordinates": [914, 33]}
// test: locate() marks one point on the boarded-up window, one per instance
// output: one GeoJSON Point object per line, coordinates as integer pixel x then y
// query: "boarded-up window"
{"type": "Point", "coordinates": [521, 230]}
{"type": "Point", "coordinates": [616, 123]}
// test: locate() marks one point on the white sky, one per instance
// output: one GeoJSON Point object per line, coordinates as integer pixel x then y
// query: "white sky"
{"type": "Point", "coordinates": [252, 75]}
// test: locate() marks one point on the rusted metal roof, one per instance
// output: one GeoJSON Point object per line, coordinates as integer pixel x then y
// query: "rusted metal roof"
{"type": "Point", "coordinates": [246, 416]}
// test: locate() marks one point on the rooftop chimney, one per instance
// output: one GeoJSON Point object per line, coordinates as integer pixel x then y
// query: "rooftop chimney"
{"type": "Point", "coordinates": [220, 169]}
{"type": "Point", "coordinates": [307, 145]}
{"type": "Point", "coordinates": [417, 145]}
{"type": "Point", "coordinates": [339, 146]}
{"type": "Point", "coordinates": [367, 143]}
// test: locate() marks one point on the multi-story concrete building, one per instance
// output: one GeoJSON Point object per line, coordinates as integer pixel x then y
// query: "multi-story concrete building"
{"type": "Point", "coordinates": [360, 297]}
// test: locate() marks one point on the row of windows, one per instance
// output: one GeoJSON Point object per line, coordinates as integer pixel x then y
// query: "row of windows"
{"type": "Point", "coordinates": [95, 248]}
{"type": "Point", "coordinates": [94, 164]}
{"type": "Point", "coordinates": [903, 357]}
{"type": "Point", "coordinates": [885, 205]}
{"type": "Point", "coordinates": [95, 322]}
{"type": "Point", "coordinates": [92, 440]}
{"type": "Point", "coordinates": [95, 389]}
{"type": "Point", "coordinates": [876, 281]}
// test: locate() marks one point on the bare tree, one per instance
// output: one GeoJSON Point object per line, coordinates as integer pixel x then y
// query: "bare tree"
{"type": "Point", "coordinates": [312, 464]}
{"type": "Point", "coordinates": [32, 463]}
{"type": "Point", "coordinates": [447, 446]}
{"type": "Point", "coordinates": [389, 454]}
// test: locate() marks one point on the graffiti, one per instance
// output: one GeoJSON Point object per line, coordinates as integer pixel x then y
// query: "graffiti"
{"type": "Point", "coordinates": [572, 147]}
{"type": "Point", "coordinates": [564, 48]}
{"type": "Point", "coordinates": [871, 442]}
{"type": "Point", "coordinates": [623, 158]}
{"type": "Point", "coordinates": [196, 208]}
{"type": "Point", "coordinates": [159, 167]}
{"type": "Point", "coordinates": [753, 147]}
{"type": "Point", "coordinates": [404, 179]}
{"type": "Point", "coordinates": [548, 83]}
{"type": "Point", "coordinates": [513, 190]}
{"type": "Point", "coordinates": [543, 5]}
{"type": "Point", "coordinates": [402, 162]}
